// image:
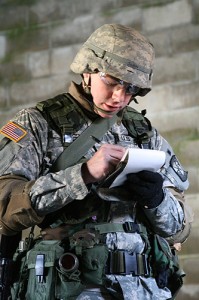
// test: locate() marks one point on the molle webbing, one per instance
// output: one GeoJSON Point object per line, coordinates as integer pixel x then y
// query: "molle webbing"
{"type": "Point", "coordinates": [66, 117]}
{"type": "Point", "coordinates": [63, 113]}
{"type": "Point", "coordinates": [129, 227]}
{"type": "Point", "coordinates": [138, 126]}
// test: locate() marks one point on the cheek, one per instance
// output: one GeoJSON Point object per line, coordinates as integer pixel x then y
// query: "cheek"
{"type": "Point", "coordinates": [100, 94]}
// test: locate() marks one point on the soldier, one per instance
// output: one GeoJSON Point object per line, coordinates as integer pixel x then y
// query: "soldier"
{"type": "Point", "coordinates": [114, 225]}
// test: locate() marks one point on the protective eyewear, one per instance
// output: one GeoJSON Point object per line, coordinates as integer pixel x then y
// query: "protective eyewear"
{"type": "Point", "coordinates": [110, 81]}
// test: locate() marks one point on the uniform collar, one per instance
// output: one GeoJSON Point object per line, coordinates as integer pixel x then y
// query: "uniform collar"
{"type": "Point", "coordinates": [77, 92]}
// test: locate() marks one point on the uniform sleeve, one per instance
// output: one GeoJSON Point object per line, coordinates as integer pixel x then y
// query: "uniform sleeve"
{"type": "Point", "coordinates": [169, 218]}
{"type": "Point", "coordinates": [54, 191]}
{"type": "Point", "coordinates": [29, 158]}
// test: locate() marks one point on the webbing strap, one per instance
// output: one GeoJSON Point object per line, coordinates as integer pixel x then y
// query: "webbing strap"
{"type": "Point", "coordinates": [119, 59]}
{"type": "Point", "coordinates": [128, 227]}
{"type": "Point", "coordinates": [76, 150]}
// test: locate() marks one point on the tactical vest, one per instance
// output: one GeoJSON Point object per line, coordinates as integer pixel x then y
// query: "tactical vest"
{"type": "Point", "coordinates": [54, 282]}
{"type": "Point", "coordinates": [66, 117]}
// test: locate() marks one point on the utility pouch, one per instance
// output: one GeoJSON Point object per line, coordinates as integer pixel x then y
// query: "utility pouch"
{"type": "Point", "coordinates": [42, 277]}
{"type": "Point", "coordinates": [165, 265]}
{"type": "Point", "coordinates": [41, 262]}
{"type": "Point", "coordinates": [175, 280]}
{"type": "Point", "coordinates": [93, 263]}
{"type": "Point", "coordinates": [68, 283]}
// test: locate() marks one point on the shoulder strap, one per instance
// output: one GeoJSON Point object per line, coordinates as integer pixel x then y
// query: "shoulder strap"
{"type": "Point", "coordinates": [65, 116]}
{"type": "Point", "coordinates": [83, 143]}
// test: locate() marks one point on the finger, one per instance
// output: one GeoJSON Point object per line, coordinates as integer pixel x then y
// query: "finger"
{"type": "Point", "coordinates": [150, 176]}
{"type": "Point", "coordinates": [113, 151]}
{"type": "Point", "coordinates": [133, 177]}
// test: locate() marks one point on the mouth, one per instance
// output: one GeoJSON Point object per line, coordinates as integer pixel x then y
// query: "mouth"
{"type": "Point", "coordinates": [105, 110]}
{"type": "Point", "coordinates": [111, 108]}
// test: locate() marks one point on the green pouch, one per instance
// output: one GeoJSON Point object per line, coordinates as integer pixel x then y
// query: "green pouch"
{"type": "Point", "coordinates": [68, 287]}
{"type": "Point", "coordinates": [53, 284]}
{"type": "Point", "coordinates": [162, 255]}
{"type": "Point", "coordinates": [165, 265]}
{"type": "Point", "coordinates": [93, 262]}
{"type": "Point", "coordinates": [39, 287]}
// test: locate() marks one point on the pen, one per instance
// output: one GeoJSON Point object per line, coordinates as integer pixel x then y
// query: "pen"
{"type": "Point", "coordinates": [95, 139]}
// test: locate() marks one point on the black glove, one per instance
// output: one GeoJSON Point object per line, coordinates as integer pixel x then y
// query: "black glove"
{"type": "Point", "coordinates": [146, 186]}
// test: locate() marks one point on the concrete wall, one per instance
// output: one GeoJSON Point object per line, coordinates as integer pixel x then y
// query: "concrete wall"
{"type": "Point", "coordinates": [39, 38]}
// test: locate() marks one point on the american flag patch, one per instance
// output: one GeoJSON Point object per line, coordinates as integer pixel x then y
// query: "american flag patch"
{"type": "Point", "coordinates": [13, 131]}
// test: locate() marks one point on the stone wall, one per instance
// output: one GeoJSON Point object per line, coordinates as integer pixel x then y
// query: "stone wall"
{"type": "Point", "coordinates": [39, 38]}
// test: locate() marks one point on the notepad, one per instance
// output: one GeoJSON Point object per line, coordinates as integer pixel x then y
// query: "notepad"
{"type": "Point", "coordinates": [133, 161]}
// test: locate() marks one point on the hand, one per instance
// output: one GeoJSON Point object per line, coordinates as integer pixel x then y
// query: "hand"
{"type": "Point", "coordinates": [102, 163]}
{"type": "Point", "coordinates": [146, 187]}
{"type": "Point", "coordinates": [57, 233]}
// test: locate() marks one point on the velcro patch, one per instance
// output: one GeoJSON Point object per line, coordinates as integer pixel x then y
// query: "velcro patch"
{"type": "Point", "coordinates": [13, 131]}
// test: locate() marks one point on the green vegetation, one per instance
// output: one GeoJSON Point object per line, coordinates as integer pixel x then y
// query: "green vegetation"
{"type": "Point", "coordinates": [7, 58]}
{"type": "Point", "coordinates": [20, 38]}
{"type": "Point", "coordinates": [20, 31]}
{"type": "Point", "coordinates": [147, 4]}
{"type": "Point", "coordinates": [19, 2]}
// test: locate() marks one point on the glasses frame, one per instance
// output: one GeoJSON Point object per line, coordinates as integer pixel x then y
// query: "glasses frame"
{"type": "Point", "coordinates": [110, 81]}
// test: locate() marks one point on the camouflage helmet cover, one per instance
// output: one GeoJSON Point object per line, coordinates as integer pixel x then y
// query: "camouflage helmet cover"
{"type": "Point", "coordinates": [119, 51]}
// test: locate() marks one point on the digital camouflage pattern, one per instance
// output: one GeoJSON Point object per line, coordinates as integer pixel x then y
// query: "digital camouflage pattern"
{"type": "Point", "coordinates": [32, 157]}
{"type": "Point", "coordinates": [119, 51]}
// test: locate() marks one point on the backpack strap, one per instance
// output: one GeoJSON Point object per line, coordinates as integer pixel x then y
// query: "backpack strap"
{"type": "Point", "coordinates": [83, 143]}
{"type": "Point", "coordinates": [65, 116]}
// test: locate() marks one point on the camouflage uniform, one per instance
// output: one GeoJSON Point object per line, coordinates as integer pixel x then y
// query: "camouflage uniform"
{"type": "Point", "coordinates": [35, 153]}
{"type": "Point", "coordinates": [31, 158]}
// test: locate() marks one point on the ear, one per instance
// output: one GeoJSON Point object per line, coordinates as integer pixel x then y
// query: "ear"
{"type": "Point", "coordinates": [86, 77]}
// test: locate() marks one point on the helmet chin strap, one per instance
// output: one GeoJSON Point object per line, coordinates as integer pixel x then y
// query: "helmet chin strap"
{"type": "Point", "coordinates": [86, 88]}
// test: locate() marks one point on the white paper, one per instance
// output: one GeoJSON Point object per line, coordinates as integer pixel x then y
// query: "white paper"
{"type": "Point", "coordinates": [139, 160]}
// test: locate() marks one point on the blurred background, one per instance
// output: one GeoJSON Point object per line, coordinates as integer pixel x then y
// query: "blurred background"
{"type": "Point", "coordinates": [39, 38]}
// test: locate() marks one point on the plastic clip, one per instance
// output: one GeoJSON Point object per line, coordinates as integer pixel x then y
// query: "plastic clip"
{"type": "Point", "coordinates": [39, 267]}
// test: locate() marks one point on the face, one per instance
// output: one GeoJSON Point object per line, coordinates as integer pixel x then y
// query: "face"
{"type": "Point", "coordinates": [109, 94]}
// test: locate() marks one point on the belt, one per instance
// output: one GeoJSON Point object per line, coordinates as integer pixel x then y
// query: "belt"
{"type": "Point", "coordinates": [128, 227]}
{"type": "Point", "coordinates": [121, 262]}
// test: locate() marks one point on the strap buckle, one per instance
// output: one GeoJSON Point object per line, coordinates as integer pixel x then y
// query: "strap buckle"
{"type": "Point", "coordinates": [131, 227]}
{"type": "Point", "coordinates": [121, 262]}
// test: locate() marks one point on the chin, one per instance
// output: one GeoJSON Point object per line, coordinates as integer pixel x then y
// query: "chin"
{"type": "Point", "coordinates": [103, 115]}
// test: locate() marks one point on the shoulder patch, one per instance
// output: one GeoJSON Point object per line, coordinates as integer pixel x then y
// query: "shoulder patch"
{"type": "Point", "coordinates": [13, 131]}
{"type": "Point", "coordinates": [176, 166]}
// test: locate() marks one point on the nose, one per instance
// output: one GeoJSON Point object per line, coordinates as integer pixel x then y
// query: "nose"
{"type": "Point", "coordinates": [119, 94]}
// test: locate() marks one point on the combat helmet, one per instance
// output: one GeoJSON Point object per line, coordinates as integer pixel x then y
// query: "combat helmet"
{"type": "Point", "coordinates": [119, 51]}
